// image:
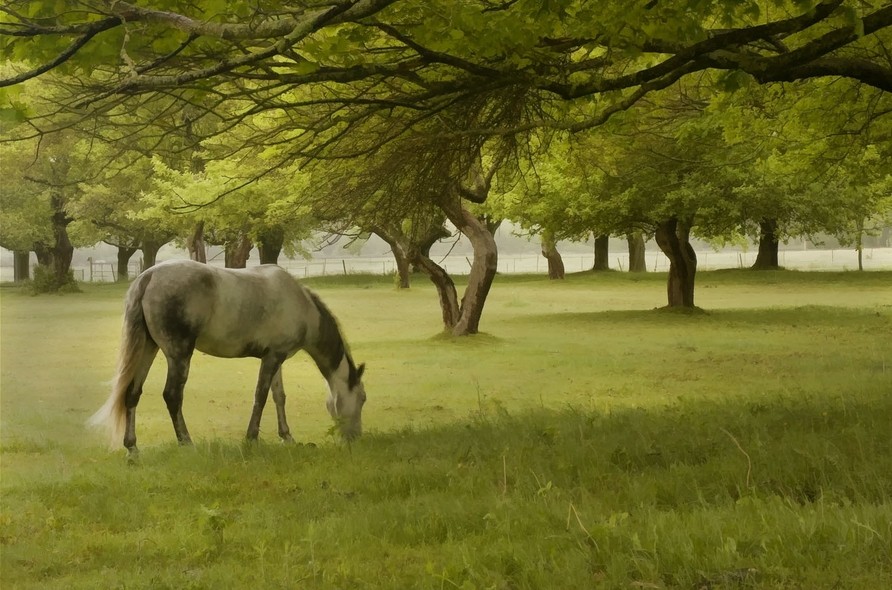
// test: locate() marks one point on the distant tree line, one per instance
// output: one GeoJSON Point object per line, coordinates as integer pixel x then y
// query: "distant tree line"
{"type": "Point", "coordinates": [244, 125]}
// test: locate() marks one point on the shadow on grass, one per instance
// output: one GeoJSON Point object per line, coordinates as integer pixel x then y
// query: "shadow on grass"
{"type": "Point", "coordinates": [808, 315]}
{"type": "Point", "coordinates": [631, 494]}
{"type": "Point", "coordinates": [802, 450]}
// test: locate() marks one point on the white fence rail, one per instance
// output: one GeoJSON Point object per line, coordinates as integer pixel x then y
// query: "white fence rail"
{"type": "Point", "coordinates": [817, 260]}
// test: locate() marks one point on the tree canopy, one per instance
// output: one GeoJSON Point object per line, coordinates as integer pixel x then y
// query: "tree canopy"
{"type": "Point", "coordinates": [419, 108]}
{"type": "Point", "coordinates": [366, 58]}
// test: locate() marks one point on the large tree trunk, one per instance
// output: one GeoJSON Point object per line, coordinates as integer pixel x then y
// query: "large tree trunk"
{"type": "Point", "coordinates": [270, 245]}
{"type": "Point", "coordinates": [602, 253]}
{"type": "Point", "coordinates": [150, 253]}
{"type": "Point", "coordinates": [636, 252]}
{"type": "Point", "coordinates": [56, 258]}
{"type": "Point", "coordinates": [195, 244]}
{"type": "Point", "coordinates": [403, 269]}
{"type": "Point", "coordinates": [436, 233]}
{"type": "Point", "coordinates": [551, 254]}
{"type": "Point", "coordinates": [399, 251]}
{"type": "Point", "coordinates": [492, 223]}
{"type": "Point", "coordinates": [124, 256]}
{"type": "Point", "coordinates": [63, 250]}
{"type": "Point", "coordinates": [444, 284]}
{"type": "Point", "coordinates": [483, 267]}
{"type": "Point", "coordinates": [21, 265]}
{"type": "Point", "coordinates": [236, 253]}
{"type": "Point", "coordinates": [766, 259]}
{"type": "Point", "coordinates": [44, 254]}
{"type": "Point", "coordinates": [673, 237]}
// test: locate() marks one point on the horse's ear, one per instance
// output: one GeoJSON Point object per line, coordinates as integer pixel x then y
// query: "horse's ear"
{"type": "Point", "coordinates": [359, 371]}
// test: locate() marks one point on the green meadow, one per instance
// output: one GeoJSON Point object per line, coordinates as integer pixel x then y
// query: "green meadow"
{"type": "Point", "coordinates": [586, 439]}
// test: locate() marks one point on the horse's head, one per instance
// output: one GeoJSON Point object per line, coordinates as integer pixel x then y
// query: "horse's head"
{"type": "Point", "coordinates": [346, 400]}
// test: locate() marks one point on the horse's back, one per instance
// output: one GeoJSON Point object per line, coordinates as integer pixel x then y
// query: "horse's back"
{"type": "Point", "coordinates": [260, 310]}
{"type": "Point", "coordinates": [226, 312]}
{"type": "Point", "coordinates": [178, 297]}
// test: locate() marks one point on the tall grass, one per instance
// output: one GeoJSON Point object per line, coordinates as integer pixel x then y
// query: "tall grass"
{"type": "Point", "coordinates": [586, 440]}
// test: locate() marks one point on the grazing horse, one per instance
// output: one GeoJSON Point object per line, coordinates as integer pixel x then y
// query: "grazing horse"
{"type": "Point", "coordinates": [263, 312]}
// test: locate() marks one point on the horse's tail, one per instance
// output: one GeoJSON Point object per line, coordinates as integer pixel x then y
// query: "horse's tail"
{"type": "Point", "coordinates": [134, 336]}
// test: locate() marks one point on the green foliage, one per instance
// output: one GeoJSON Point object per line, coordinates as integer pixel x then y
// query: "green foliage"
{"type": "Point", "coordinates": [266, 200]}
{"type": "Point", "coordinates": [25, 210]}
{"type": "Point", "coordinates": [724, 159]}
{"type": "Point", "coordinates": [13, 110]}
{"type": "Point", "coordinates": [45, 280]}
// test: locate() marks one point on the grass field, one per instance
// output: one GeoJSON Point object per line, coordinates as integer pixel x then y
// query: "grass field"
{"type": "Point", "coordinates": [586, 440]}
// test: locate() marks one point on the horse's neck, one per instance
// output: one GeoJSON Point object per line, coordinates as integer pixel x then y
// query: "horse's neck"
{"type": "Point", "coordinates": [333, 371]}
{"type": "Point", "coordinates": [328, 348]}
{"type": "Point", "coordinates": [341, 374]}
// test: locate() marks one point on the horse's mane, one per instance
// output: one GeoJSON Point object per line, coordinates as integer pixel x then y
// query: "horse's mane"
{"type": "Point", "coordinates": [331, 346]}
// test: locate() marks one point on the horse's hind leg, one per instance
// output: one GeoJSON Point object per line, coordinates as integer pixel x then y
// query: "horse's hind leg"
{"type": "Point", "coordinates": [279, 398]}
{"type": "Point", "coordinates": [269, 366]}
{"type": "Point", "coordinates": [134, 391]}
{"type": "Point", "coordinates": [177, 373]}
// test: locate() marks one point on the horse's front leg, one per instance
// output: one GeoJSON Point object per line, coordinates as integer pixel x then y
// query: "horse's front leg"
{"type": "Point", "coordinates": [279, 397]}
{"type": "Point", "coordinates": [269, 366]}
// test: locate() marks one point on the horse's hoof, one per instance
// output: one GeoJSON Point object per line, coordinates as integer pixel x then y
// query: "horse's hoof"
{"type": "Point", "coordinates": [288, 439]}
{"type": "Point", "coordinates": [132, 456]}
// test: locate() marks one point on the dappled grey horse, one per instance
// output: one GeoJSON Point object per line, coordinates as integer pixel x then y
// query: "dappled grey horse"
{"type": "Point", "coordinates": [263, 312]}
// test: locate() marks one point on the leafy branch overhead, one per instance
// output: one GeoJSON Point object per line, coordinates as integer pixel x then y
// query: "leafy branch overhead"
{"type": "Point", "coordinates": [322, 67]}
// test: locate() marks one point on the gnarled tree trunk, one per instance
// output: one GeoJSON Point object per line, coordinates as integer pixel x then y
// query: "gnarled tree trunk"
{"type": "Point", "coordinates": [236, 253]}
{"type": "Point", "coordinates": [602, 253]}
{"type": "Point", "coordinates": [426, 242]}
{"type": "Point", "coordinates": [123, 262]}
{"type": "Point", "coordinates": [443, 282]}
{"type": "Point", "coordinates": [150, 252]}
{"type": "Point", "coordinates": [766, 259]}
{"type": "Point", "coordinates": [403, 269]}
{"type": "Point", "coordinates": [636, 252]}
{"type": "Point", "coordinates": [551, 254]}
{"type": "Point", "coordinates": [483, 267]}
{"type": "Point", "coordinates": [270, 244]}
{"type": "Point", "coordinates": [673, 238]}
{"type": "Point", "coordinates": [57, 257]}
{"type": "Point", "coordinates": [21, 265]}
{"type": "Point", "coordinates": [195, 244]}
{"type": "Point", "coordinates": [399, 246]}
